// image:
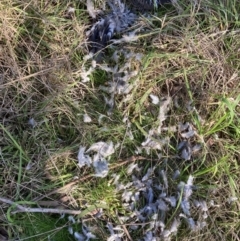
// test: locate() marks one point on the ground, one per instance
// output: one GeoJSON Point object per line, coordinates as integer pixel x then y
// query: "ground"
{"type": "Point", "coordinates": [141, 145]}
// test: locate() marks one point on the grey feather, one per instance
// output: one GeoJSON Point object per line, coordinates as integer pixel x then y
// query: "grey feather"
{"type": "Point", "coordinates": [117, 20]}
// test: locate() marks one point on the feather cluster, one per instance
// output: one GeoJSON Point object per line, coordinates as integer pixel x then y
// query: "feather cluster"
{"type": "Point", "coordinates": [117, 20]}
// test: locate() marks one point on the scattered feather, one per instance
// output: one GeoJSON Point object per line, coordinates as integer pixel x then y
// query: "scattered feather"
{"type": "Point", "coordinates": [148, 174]}
{"type": "Point", "coordinates": [186, 153]}
{"type": "Point", "coordinates": [191, 224]}
{"type": "Point", "coordinates": [138, 57]}
{"type": "Point", "coordinates": [185, 205]}
{"type": "Point", "coordinates": [85, 74]}
{"type": "Point", "coordinates": [188, 188]}
{"type": "Point", "coordinates": [232, 199]}
{"type": "Point", "coordinates": [126, 196]}
{"type": "Point", "coordinates": [189, 106]}
{"type": "Point", "coordinates": [196, 148]}
{"type": "Point", "coordinates": [79, 237]}
{"type": "Point", "coordinates": [158, 199]}
{"type": "Point", "coordinates": [176, 102]}
{"type": "Point", "coordinates": [70, 230]}
{"type": "Point", "coordinates": [115, 57]}
{"type": "Point", "coordinates": [165, 180]}
{"type": "Point", "coordinates": [32, 122]}
{"type": "Point", "coordinates": [110, 228]}
{"type": "Point", "coordinates": [154, 98]}
{"type": "Point", "coordinates": [114, 236]}
{"type": "Point", "coordinates": [70, 10]}
{"type": "Point", "coordinates": [212, 204]}
{"type": "Point", "coordinates": [149, 195]}
{"type": "Point", "coordinates": [29, 166]}
{"type": "Point", "coordinates": [194, 226]}
{"type": "Point", "coordinates": [71, 219]}
{"type": "Point", "coordinates": [134, 227]}
{"type": "Point", "coordinates": [172, 200]}
{"type": "Point", "coordinates": [110, 103]}
{"type": "Point", "coordinates": [94, 64]}
{"type": "Point", "coordinates": [164, 108]}
{"type": "Point", "coordinates": [151, 142]}
{"type": "Point", "coordinates": [87, 118]}
{"type": "Point", "coordinates": [166, 234]}
{"type": "Point", "coordinates": [175, 225]}
{"type": "Point", "coordinates": [130, 135]}
{"type": "Point", "coordinates": [169, 128]}
{"type": "Point", "coordinates": [183, 127]}
{"type": "Point", "coordinates": [162, 205]}
{"type": "Point", "coordinates": [90, 8]}
{"type": "Point", "coordinates": [87, 233]}
{"type": "Point", "coordinates": [185, 149]}
{"type": "Point", "coordinates": [131, 167]}
{"type": "Point", "coordinates": [176, 174]}
{"type": "Point", "coordinates": [100, 118]}
{"type": "Point", "coordinates": [102, 148]}
{"type": "Point", "coordinates": [149, 237]}
{"type": "Point", "coordinates": [138, 150]}
{"type": "Point", "coordinates": [82, 158]}
{"type": "Point", "coordinates": [130, 37]}
{"type": "Point", "coordinates": [100, 165]}
{"type": "Point", "coordinates": [87, 56]}
{"type": "Point", "coordinates": [201, 204]}
{"type": "Point", "coordinates": [181, 145]}
{"type": "Point", "coordinates": [108, 69]}
{"type": "Point", "coordinates": [188, 134]}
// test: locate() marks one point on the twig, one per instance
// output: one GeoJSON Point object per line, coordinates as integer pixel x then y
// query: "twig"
{"type": "Point", "coordinates": [21, 208]}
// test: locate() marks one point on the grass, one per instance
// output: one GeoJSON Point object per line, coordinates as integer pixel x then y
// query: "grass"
{"type": "Point", "coordinates": [190, 53]}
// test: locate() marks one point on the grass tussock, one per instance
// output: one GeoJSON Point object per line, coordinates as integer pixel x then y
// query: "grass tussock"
{"type": "Point", "coordinates": [189, 54]}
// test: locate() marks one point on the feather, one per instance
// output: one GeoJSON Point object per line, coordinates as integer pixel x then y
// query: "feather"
{"type": "Point", "coordinates": [117, 20]}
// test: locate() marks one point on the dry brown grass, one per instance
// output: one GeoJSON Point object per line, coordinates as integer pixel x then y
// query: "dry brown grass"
{"type": "Point", "coordinates": [193, 57]}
